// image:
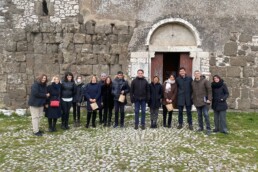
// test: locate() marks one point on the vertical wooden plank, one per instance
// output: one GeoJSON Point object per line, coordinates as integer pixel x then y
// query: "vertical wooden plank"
{"type": "Point", "coordinates": [157, 66]}
{"type": "Point", "coordinates": [186, 62]}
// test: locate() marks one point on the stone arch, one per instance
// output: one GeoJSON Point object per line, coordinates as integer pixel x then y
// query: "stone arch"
{"type": "Point", "coordinates": [177, 21]}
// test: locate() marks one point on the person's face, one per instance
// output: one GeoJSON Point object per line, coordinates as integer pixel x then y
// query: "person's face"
{"type": "Point", "coordinates": [79, 79]}
{"type": "Point", "coordinates": [103, 78]}
{"type": "Point", "coordinates": [108, 81]}
{"type": "Point", "coordinates": [216, 79]}
{"type": "Point", "coordinates": [56, 80]}
{"type": "Point", "coordinates": [43, 80]}
{"type": "Point", "coordinates": [94, 80]}
{"type": "Point", "coordinates": [120, 76]}
{"type": "Point", "coordinates": [155, 80]}
{"type": "Point", "coordinates": [182, 72]}
{"type": "Point", "coordinates": [69, 78]}
{"type": "Point", "coordinates": [172, 78]}
{"type": "Point", "coordinates": [140, 74]}
{"type": "Point", "coordinates": [197, 75]}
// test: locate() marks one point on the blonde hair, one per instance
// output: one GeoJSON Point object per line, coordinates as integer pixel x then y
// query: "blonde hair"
{"type": "Point", "coordinates": [55, 77]}
{"type": "Point", "coordinates": [93, 76]}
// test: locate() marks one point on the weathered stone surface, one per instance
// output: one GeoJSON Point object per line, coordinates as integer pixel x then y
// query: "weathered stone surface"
{"type": "Point", "coordinates": [241, 52]}
{"type": "Point", "coordinates": [3, 84]}
{"type": "Point", "coordinates": [235, 93]}
{"type": "Point", "coordinates": [69, 57]}
{"type": "Point", "coordinates": [233, 71]}
{"type": "Point", "coordinates": [122, 38]}
{"type": "Point", "coordinates": [104, 59]}
{"type": "Point", "coordinates": [254, 48]}
{"type": "Point", "coordinates": [50, 38]}
{"type": "Point", "coordinates": [106, 29]}
{"type": "Point", "coordinates": [10, 46]}
{"type": "Point", "coordinates": [121, 29]}
{"type": "Point", "coordinates": [88, 39]}
{"type": "Point", "coordinates": [248, 71]}
{"type": "Point", "coordinates": [78, 48]}
{"type": "Point", "coordinates": [212, 60]}
{"type": "Point", "coordinates": [22, 46]}
{"type": "Point", "coordinates": [221, 71]}
{"type": "Point", "coordinates": [52, 48]}
{"type": "Point", "coordinates": [245, 38]}
{"type": "Point", "coordinates": [11, 67]}
{"type": "Point", "coordinates": [38, 38]}
{"type": "Point", "coordinates": [20, 57]}
{"type": "Point", "coordinates": [87, 48]}
{"type": "Point", "coordinates": [238, 61]}
{"type": "Point", "coordinates": [230, 49]}
{"type": "Point", "coordinates": [244, 104]}
{"type": "Point", "coordinates": [90, 59]}
{"type": "Point", "coordinates": [90, 27]}
{"type": "Point", "coordinates": [250, 58]}
{"type": "Point", "coordinates": [47, 27]}
{"type": "Point", "coordinates": [98, 69]}
{"type": "Point", "coordinates": [40, 48]}
{"type": "Point", "coordinates": [254, 104]}
{"type": "Point", "coordinates": [19, 35]}
{"type": "Point", "coordinates": [85, 69]}
{"type": "Point", "coordinates": [116, 49]}
{"type": "Point", "coordinates": [245, 93]}
{"type": "Point", "coordinates": [112, 39]}
{"type": "Point", "coordinates": [79, 38]}
{"type": "Point", "coordinates": [245, 47]}
{"type": "Point", "coordinates": [100, 49]}
{"type": "Point", "coordinates": [115, 68]}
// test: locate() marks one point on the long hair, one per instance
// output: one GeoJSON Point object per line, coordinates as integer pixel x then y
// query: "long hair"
{"type": "Point", "coordinates": [39, 79]}
{"type": "Point", "coordinates": [68, 74]}
{"type": "Point", "coordinates": [109, 79]}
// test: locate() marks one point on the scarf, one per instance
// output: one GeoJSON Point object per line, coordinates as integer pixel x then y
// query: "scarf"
{"type": "Point", "coordinates": [168, 85]}
{"type": "Point", "coordinates": [217, 84]}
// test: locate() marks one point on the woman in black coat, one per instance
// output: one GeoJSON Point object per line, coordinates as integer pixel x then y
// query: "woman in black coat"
{"type": "Point", "coordinates": [107, 100]}
{"type": "Point", "coordinates": [155, 100]}
{"type": "Point", "coordinates": [77, 101]}
{"type": "Point", "coordinates": [219, 105]}
{"type": "Point", "coordinates": [53, 113]}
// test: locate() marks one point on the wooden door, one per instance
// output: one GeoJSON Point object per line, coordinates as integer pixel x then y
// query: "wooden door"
{"type": "Point", "coordinates": [187, 63]}
{"type": "Point", "coordinates": [157, 66]}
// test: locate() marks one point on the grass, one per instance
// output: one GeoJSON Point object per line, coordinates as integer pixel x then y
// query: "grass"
{"type": "Point", "coordinates": [129, 150]}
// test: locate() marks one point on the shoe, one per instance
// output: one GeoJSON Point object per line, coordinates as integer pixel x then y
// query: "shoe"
{"type": "Point", "coordinates": [67, 127]}
{"type": "Point", "coordinates": [208, 132]}
{"type": "Point", "coordinates": [86, 126]}
{"type": "Point", "coordinates": [41, 131]}
{"type": "Point", "coordinates": [105, 124]}
{"type": "Point", "coordinates": [179, 126]}
{"type": "Point", "coordinates": [143, 127]}
{"type": "Point", "coordinates": [38, 134]}
{"type": "Point", "coordinates": [122, 126]}
{"type": "Point", "coordinates": [215, 130]}
{"type": "Point", "coordinates": [63, 127]}
{"type": "Point", "coordinates": [93, 125]}
{"type": "Point", "coordinates": [50, 130]}
{"type": "Point", "coordinates": [190, 127]}
{"type": "Point", "coordinates": [109, 125]}
{"type": "Point", "coordinates": [136, 127]}
{"type": "Point", "coordinates": [54, 129]}
{"type": "Point", "coordinates": [169, 126]}
{"type": "Point", "coordinates": [224, 132]}
{"type": "Point", "coordinates": [199, 129]}
{"type": "Point", "coordinates": [115, 126]}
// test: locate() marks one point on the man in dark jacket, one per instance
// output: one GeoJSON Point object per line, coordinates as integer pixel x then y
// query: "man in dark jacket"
{"type": "Point", "coordinates": [201, 99]}
{"type": "Point", "coordinates": [103, 77]}
{"type": "Point", "coordinates": [184, 97]}
{"type": "Point", "coordinates": [140, 95]}
{"type": "Point", "coordinates": [119, 87]}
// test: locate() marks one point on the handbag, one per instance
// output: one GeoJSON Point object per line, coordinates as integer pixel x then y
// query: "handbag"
{"type": "Point", "coordinates": [121, 98]}
{"type": "Point", "coordinates": [94, 106]}
{"type": "Point", "coordinates": [54, 103]}
{"type": "Point", "coordinates": [169, 107]}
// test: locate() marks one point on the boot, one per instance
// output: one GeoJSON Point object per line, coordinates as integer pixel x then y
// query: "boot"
{"type": "Point", "coordinates": [50, 125]}
{"type": "Point", "coordinates": [54, 124]}
{"type": "Point", "coordinates": [63, 125]}
{"type": "Point", "coordinates": [94, 119]}
{"type": "Point", "coordinates": [152, 125]}
{"type": "Point", "coordinates": [88, 120]}
{"type": "Point", "coordinates": [66, 125]}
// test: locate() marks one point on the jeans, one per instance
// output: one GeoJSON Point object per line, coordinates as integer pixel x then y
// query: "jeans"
{"type": "Point", "coordinates": [189, 115]}
{"type": "Point", "coordinates": [140, 104]}
{"type": "Point", "coordinates": [66, 106]}
{"type": "Point", "coordinates": [203, 111]}
{"type": "Point", "coordinates": [154, 114]}
{"type": "Point", "coordinates": [165, 111]}
{"type": "Point", "coordinates": [119, 107]}
{"type": "Point", "coordinates": [220, 121]}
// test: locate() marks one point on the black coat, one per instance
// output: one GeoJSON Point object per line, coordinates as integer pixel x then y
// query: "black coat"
{"type": "Point", "coordinates": [184, 91]}
{"type": "Point", "coordinates": [68, 90]}
{"type": "Point", "coordinates": [140, 90]}
{"type": "Point", "coordinates": [155, 95]}
{"type": "Point", "coordinates": [55, 91]}
{"type": "Point", "coordinates": [107, 96]}
{"type": "Point", "coordinates": [38, 95]}
{"type": "Point", "coordinates": [92, 91]}
{"type": "Point", "coordinates": [119, 85]}
{"type": "Point", "coordinates": [78, 94]}
{"type": "Point", "coordinates": [219, 96]}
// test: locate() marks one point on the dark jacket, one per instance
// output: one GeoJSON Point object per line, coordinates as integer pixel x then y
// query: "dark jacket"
{"type": "Point", "coordinates": [119, 85]}
{"type": "Point", "coordinates": [184, 91]}
{"type": "Point", "coordinates": [92, 91]}
{"type": "Point", "coordinates": [201, 92]}
{"type": "Point", "coordinates": [107, 96]}
{"type": "Point", "coordinates": [219, 96]}
{"type": "Point", "coordinates": [38, 95]}
{"type": "Point", "coordinates": [155, 95]}
{"type": "Point", "coordinates": [78, 94]}
{"type": "Point", "coordinates": [171, 95]}
{"type": "Point", "coordinates": [68, 90]}
{"type": "Point", "coordinates": [55, 92]}
{"type": "Point", "coordinates": [140, 90]}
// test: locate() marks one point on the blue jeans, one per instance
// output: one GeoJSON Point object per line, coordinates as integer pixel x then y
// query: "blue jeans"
{"type": "Point", "coordinates": [203, 111]}
{"type": "Point", "coordinates": [189, 115]}
{"type": "Point", "coordinates": [119, 107]}
{"type": "Point", "coordinates": [140, 104]}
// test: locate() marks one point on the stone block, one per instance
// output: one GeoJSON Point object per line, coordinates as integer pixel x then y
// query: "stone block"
{"type": "Point", "coordinates": [213, 60]}
{"type": "Point", "coordinates": [104, 59]}
{"type": "Point", "coordinates": [122, 38]}
{"type": "Point", "coordinates": [245, 38]}
{"type": "Point", "coordinates": [238, 61]}
{"type": "Point", "coordinates": [230, 49]}
{"type": "Point", "coordinates": [30, 61]}
{"type": "Point", "coordinates": [221, 71]}
{"type": "Point", "coordinates": [116, 49]}
{"type": "Point", "coordinates": [115, 68]}
{"type": "Point", "coordinates": [85, 69]}
{"type": "Point", "coordinates": [112, 39]}
{"type": "Point", "coordinates": [22, 46]}
{"type": "Point", "coordinates": [244, 104]}
{"type": "Point", "coordinates": [254, 104]}
{"type": "Point", "coordinates": [47, 27]}
{"type": "Point", "coordinates": [3, 84]}
{"type": "Point", "coordinates": [37, 38]}
{"type": "Point", "coordinates": [87, 48]}
{"type": "Point", "coordinates": [79, 38]}
{"type": "Point", "coordinates": [250, 58]}
{"type": "Point", "coordinates": [88, 39]}
{"type": "Point", "coordinates": [90, 27]}
{"type": "Point", "coordinates": [19, 35]}
{"type": "Point", "coordinates": [235, 93]}
{"type": "Point", "coordinates": [233, 71]}
{"type": "Point", "coordinates": [245, 93]}
{"type": "Point", "coordinates": [254, 48]}
{"type": "Point", "coordinates": [245, 47]}
{"type": "Point", "coordinates": [98, 69]}
{"type": "Point", "coordinates": [52, 48]}
{"type": "Point", "coordinates": [89, 59]}
{"type": "Point", "coordinates": [121, 29]}
{"type": "Point", "coordinates": [10, 46]}
{"type": "Point", "coordinates": [50, 69]}
{"type": "Point", "coordinates": [69, 57]}
{"type": "Point", "coordinates": [103, 29]}
{"type": "Point", "coordinates": [40, 48]}
{"type": "Point", "coordinates": [241, 52]}
{"type": "Point", "coordinates": [248, 71]}
{"type": "Point", "coordinates": [11, 67]}
{"type": "Point", "coordinates": [100, 49]}
{"type": "Point", "coordinates": [22, 67]}
{"type": "Point", "coordinates": [20, 57]}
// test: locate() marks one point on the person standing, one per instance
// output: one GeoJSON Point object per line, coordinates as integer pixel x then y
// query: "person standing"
{"type": "Point", "coordinates": [202, 96]}
{"type": "Point", "coordinates": [155, 100]}
{"type": "Point", "coordinates": [120, 87]}
{"type": "Point", "coordinates": [184, 97]}
{"type": "Point", "coordinates": [103, 77]}
{"type": "Point", "coordinates": [108, 101]}
{"type": "Point", "coordinates": [77, 99]}
{"type": "Point", "coordinates": [53, 113]}
{"type": "Point", "coordinates": [140, 94]}
{"type": "Point", "coordinates": [219, 104]}
{"type": "Point", "coordinates": [37, 100]}
{"type": "Point", "coordinates": [92, 92]}
{"type": "Point", "coordinates": [68, 88]}
{"type": "Point", "coordinates": [169, 97]}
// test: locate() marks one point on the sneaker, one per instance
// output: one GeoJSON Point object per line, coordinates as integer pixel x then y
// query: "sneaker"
{"type": "Point", "coordinates": [190, 127]}
{"type": "Point", "coordinates": [38, 134]}
{"type": "Point", "coordinates": [136, 127]}
{"type": "Point", "coordinates": [179, 126]}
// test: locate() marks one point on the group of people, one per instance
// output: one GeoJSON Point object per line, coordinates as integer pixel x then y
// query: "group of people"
{"type": "Point", "coordinates": [105, 95]}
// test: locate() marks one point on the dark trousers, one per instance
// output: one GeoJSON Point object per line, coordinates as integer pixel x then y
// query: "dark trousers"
{"type": "Point", "coordinates": [52, 123]}
{"type": "Point", "coordinates": [66, 106]}
{"type": "Point", "coordinates": [220, 121]}
{"type": "Point", "coordinates": [140, 104]}
{"type": "Point", "coordinates": [119, 107]}
{"type": "Point", "coordinates": [189, 115]}
{"type": "Point", "coordinates": [76, 112]}
{"type": "Point", "coordinates": [93, 114]}
{"type": "Point", "coordinates": [107, 115]}
{"type": "Point", "coordinates": [100, 115]}
{"type": "Point", "coordinates": [203, 111]}
{"type": "Point", "coordinates": [165, 112]}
